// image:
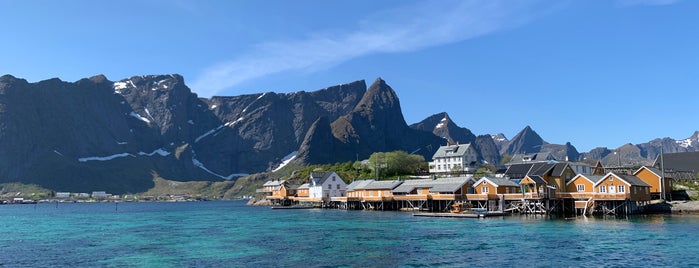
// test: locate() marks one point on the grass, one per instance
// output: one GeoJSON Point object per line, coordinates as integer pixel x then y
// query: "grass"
{"type": "Point", "coordinates": [32, 191]}
{"type": "Point", "coordinates": [210, 189]}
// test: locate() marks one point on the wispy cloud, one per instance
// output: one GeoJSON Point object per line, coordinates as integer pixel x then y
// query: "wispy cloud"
{"type": "Point", "coordinates": [626, 3]}
{"type": "Point", "coordinates": [403, 29]}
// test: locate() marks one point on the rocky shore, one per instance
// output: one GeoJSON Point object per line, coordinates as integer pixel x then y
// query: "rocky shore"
{"type": "Point", "coordinates": [674, 207]}
{"type": "Point", "coordinates": [260, 202]}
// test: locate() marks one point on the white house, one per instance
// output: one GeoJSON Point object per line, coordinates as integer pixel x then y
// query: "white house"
{"type": "Point", "coordinates": [99, 194]}
{"type": "Point", "coordinates": [324, 185]}
{"type": "Point", "coordinates": [62, 195]}
{"type": "Point", "coordinates": [454, 158]}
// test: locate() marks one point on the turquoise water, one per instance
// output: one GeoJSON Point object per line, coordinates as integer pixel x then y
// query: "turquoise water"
{"type": "Point", "coordinates": [230, 234]}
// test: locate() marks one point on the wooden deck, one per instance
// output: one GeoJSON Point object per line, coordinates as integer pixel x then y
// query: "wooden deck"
{"type": "Point", "coordinates": [461, 215]}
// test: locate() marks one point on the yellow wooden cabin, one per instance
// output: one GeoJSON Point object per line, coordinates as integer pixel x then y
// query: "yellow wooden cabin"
{"type": "Point", "coordinates": [621, 187]}
{"type": "Point", "coordinates": [492, 187]}
{"type": "Point", "coordinates": [653, 177]}
{"type": "Point", "coordinates": [534, 186]}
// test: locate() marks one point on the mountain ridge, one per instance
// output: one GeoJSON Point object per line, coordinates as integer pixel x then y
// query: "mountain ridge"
{"type": "Point", "coordinates": [97, 134]}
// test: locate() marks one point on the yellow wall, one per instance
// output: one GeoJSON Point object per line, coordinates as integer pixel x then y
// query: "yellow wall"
{"type": "Point", "coordinates": [491, 188]}
{"type": "Point", "coordinates": [650, 178]}
{"type": "Point", "coordinates": [573, 186]}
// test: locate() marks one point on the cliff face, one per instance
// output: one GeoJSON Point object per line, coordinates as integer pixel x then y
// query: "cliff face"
{"type": "Point", "coordinates": [96, 134]}
{"type": "Point", "coordinates": [442, 126]}
{"type": "Point", "coordinates": [376, 124]}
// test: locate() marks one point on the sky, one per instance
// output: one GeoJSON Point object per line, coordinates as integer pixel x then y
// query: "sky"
{"type": "Point", "coordinates": [593, 73]}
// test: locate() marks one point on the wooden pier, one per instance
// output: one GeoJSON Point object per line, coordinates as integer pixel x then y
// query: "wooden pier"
{"type": "Point", "coordinates": [462, 215]}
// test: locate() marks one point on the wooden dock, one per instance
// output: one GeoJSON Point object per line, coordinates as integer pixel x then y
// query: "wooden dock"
{"type": "Point", "coordinates": [293, 207]}
{"type": "Point", "coordinates": [461, 215]}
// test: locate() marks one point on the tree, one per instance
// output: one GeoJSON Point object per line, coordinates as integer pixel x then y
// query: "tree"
{"type": "Point", "coordinates": [396, 163]}
{"type": "Point", "coordinates": [505, 159]}
{"type": "Point", "coordinates": [484, 171]}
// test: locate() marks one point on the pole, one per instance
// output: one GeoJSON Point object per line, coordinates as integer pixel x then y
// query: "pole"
{"type": "Point", "coordinates": [662, 175]}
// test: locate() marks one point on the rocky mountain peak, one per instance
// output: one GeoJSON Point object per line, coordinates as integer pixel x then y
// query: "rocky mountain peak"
{"type": "Point", "coordinates": [97, 79]}
{"type": "Point", "coordinates": [526, 141]}
{"type": "Point", "coordinates": [380, 104]}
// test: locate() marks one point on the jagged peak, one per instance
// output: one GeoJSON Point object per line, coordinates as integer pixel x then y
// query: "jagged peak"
{"type": "Point", "coordinates": [100, 78]}
{"type": "Point", "coordinates": [444, 122]}
{"type": "Point", "coordinates": [8, 77]}
{"type": "Point", "coordinates": [378, 94]}
{"type": "Point", "coordinates": [149, 82]}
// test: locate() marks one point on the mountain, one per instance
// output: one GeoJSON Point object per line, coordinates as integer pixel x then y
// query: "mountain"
{"type": "Point", "coordinates": [442, 126]}
{"type": "Point", "coordinates": [487, 149]}
{"type": "Point", "coordinates": [376, 124]}
{"type": "Point", "coordinates": [526, 141]}
{"type": "Point", "coordinates": [118, 136]}
{"type": "Point", "coordinates": [96, 134]}
{"type": "Point", "coordinates": [500, 140]}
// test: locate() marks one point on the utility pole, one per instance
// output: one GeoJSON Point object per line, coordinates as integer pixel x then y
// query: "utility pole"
{"type": "Point", "coordinates": [662, 175]}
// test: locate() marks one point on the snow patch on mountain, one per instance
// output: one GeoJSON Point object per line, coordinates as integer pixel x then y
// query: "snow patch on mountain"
{"type": "Point", "coordinates": [442, 123]}
{"type": "Point", "coordinates": [209, 133]}
{"type": "Point", "coordinates": [200, 165]}
{"type": "Point", "coordinates": [686, 143]}
{"type": "Point", "coordinates": [160, 152]}
{"type": "Point", "coordinates": [498, 138]}
{"type": "Point", "coordinates": [286, 160]}
{"type": "Point", "coordinates": [139, 117]}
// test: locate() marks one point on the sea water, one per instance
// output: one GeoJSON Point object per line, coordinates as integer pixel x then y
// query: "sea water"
{"type": "Point", "coordinates": [231, 234]}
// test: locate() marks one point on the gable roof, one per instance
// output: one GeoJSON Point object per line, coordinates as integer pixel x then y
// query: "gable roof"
{"type": "Point", "coordinates": [451, 150]}
{"type": "Point", "coordinates": [408, 185]}
{"type": "Point", "coordinates": [531, 158]}
{"type": "Point", "coordinates": [436, 185]}
{"type": "Point", "coordinates": [630, 179]}
{"type": "Point", "coordinates": [321, 177]}
{"type": "Point", "coordinates": [633, 180]}
{"type": "Point", "coordinates": [559, 169]}
{"type": "Point", "coordinates": [518, 170]}
{"type": "Point", "coordinates": [655, 171]}
{"type": "Point", "coordinates": [274, 183]}
{"type": "Point", "coordinates": [684, 162]}
{"type": "Point", "coordinates": [497, 181]}
{"type": "Point", "coordinates": [449, 184]}
{"type": "Point", "coordinates": [304, 186]}
{"type": "Point", "coordinates": [378, 185]}
{"type": "Point", "coordinates": [355, 185]}
{"type": "Point", "coordinates": [541, 169]}
{"type": "Point", "coordinates": [537, 179]}
{"type": "Point", "coordinates": [591, 178]}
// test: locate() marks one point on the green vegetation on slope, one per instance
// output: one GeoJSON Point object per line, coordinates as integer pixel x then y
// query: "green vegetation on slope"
{"type": "Point", "coordinates": [27, 191]}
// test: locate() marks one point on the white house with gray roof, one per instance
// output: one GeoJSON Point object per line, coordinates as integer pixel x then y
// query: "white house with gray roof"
{"type": "Point", "coordinates": [454, 158]}
{"type": "Point", "coordinates": [325, 185]}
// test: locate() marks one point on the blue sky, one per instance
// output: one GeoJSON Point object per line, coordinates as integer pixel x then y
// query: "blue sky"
{"type": "Point", "coordinates": [594, 73]}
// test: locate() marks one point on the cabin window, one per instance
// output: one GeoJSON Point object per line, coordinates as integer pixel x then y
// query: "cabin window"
{"type": "Point", "coordinates": [484, 189]}
{"type": "Point", "coordinates": [603, 189]}
{"type": "Point", "coordinates": [338, 187]}
{"type": "Point", "coordinates": [646, 190]}
{"type": "Point", "coordinates": [635, 189]}
{"type": "Point", "coordinates": [622, 189]}
{"type": "Point", "coordinates": [333, 178]}
{"type": "Point", "coordinates": [581, 187]}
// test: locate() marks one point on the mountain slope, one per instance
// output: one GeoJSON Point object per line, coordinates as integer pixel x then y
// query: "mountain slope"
{"type": "Point", "coordinates": [442, 126]}
{"type": "Point", "coordinates": [376, 124]}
